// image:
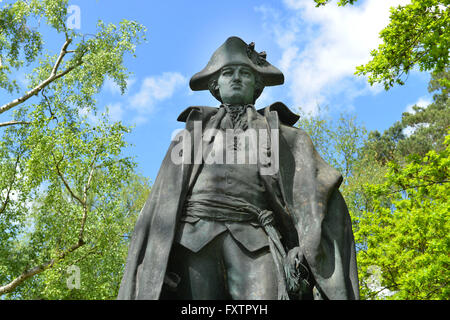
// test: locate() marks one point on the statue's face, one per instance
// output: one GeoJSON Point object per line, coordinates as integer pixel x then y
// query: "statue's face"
{"type": "Point", "coordinates": [236, 85]}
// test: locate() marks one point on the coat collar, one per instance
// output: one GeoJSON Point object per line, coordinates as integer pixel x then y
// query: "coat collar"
{"type": "Point", "coordinates": [285, 115]}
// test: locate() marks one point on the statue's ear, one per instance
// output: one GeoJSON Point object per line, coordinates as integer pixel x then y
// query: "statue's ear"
{"type": "Point", "coordinates": [215, 90]}
{"type": "Point", "coordinates": [285, 115]}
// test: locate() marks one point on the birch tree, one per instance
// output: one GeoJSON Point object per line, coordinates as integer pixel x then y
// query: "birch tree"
{"type": "Point", "coordinates": [62, 175]}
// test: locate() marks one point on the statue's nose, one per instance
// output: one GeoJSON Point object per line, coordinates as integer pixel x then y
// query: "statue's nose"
{"type": "Point", "coordinates": [236, 77]}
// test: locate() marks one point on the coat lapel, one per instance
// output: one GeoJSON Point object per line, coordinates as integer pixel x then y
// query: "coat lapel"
{"type": "Point", "coordinates": [271, 173]}
{"type": "Point", "coordinates": [198, 124]}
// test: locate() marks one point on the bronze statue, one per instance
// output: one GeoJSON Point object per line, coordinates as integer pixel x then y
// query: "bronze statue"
{"type": "Point", "coordinates": [243, 206]}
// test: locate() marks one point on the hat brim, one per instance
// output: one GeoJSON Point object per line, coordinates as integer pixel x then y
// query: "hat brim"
{"type": "Point", "coordinates": [236, 52]}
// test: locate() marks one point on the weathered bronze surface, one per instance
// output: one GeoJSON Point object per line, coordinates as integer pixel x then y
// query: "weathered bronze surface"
{"type": "Point", "coordinates": [243, 206]}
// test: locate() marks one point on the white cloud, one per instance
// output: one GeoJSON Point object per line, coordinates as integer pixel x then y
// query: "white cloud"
{"type": "Point", "coordinates": [422, 102]}
{"type": "Point", "coordinates": [374, 282]}
{"type": "Point", "coordinates": [154, 89]}
{"type": "Point", "coordinates": [322, 46]}
{"type": "Point", "coordinates": [89, 114]}
{"type": "Point", "coordinates": [115, 112]}
{"type": "Point", "coordinates": [264, 99]}
{"type": "Point", "coordinates": [139, 119]}
{"type": "Point", "coordinates": [23, 80]}
{"type": "Point", "coordinates": [113, 88]}
{"type": "Point", "coordinates": [408, 131]}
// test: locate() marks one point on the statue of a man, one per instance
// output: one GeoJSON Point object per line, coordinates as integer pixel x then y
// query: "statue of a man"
{"type": "Point", "coordinates": [243, 206]}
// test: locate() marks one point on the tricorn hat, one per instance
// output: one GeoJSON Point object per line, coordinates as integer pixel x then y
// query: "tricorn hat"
{"type": "Point", "coordinates": [236, 51]}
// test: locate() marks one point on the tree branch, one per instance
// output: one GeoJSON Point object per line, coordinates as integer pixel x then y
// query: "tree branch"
{"type": "Point", "coordinates": [13, 179]}
{"type": "Point", "coordinates": [53, 76]}
{"type": "Point", "coordinates": [60, 57]}
{"type": "Point", "coordinates": [436, 289]}
{"type": "Point", "coordinates": [404, 188]}
{"type": "Point", "coordinates": [85, 190]}
{"type": "Point", "coordinates": [37, 269]}
{"type": "Point", "coordinates": [12, 123]}
{"type": "Point", "coordinates": [88, 183]}
{"type": "Point", "coordinates": [52, 115]}
{"type": "Point", "coordinates": [373, 294]}
{"type": "Point", "coordinates": [41, 268]}
{"type": "Point", "coordinates": [58, 171]}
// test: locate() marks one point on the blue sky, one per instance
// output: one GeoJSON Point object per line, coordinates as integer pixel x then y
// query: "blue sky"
{"type": "Point", "coordinates": [316, 48]}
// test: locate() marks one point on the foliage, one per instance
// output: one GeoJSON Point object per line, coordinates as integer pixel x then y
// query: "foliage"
{"type": "Point", "coordinates": [402, 234]}
{"type": "Point", "coordinates": [101, 260]}
{"type": "Point", "coordinates": [340, 3]}
{"type": "Point", "coordinates": [16, 35]}
{"type": "Point", "coordinates": [399, 207]}
{"type": "Point", "coordinates": [69, 195]}
{"type": "Point", "coordinates": [336, 141]}
{"type": "Point", "coordinates": [409, 240]}
{"type": "Point", "coordinates": [427, 127]}
{"type": "Point", "coordinates": [341, 143]}
{"type": "Point", "coordinates": [418, 35]}
{"type": "Point", "coordinates": [396, 183]}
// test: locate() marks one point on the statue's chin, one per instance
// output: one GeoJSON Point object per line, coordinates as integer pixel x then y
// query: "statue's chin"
{"type": "Point", "coordinates": [237, 101]}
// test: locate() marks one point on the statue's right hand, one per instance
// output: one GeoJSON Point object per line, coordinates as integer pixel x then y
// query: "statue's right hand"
{"type": "Point", "coordinates": [294, 258]}
{"type": "Point", "coordinates": [296, 271]}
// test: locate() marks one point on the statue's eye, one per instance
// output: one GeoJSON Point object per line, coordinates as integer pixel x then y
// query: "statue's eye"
{"type": "Point", "coordinates": [246, 73]}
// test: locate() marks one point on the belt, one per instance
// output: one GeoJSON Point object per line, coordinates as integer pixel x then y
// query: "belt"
{"type": "Point", "coordinates": [222, 215]}
{"type": "Point", "coordinates": [246, 212]}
